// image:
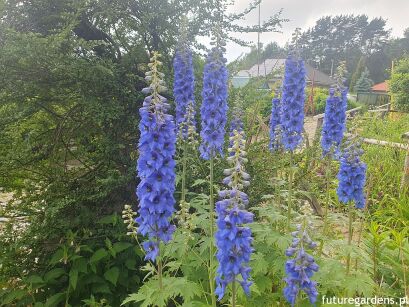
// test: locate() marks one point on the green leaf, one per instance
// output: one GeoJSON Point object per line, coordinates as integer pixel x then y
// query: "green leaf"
{"type": "Point", "coordinates": [121, 246]}
{"type": "Point", "coordinates": [53, 274]}
{"type": "Point", "coordinates": [80, 265]}
{"type": "Point", "coordinates": [98, 255]}
{"type": "Point", "coordinates": [34, 279]}
{"type": "Point", "coordinates": [112, 275]}
{"type": "Point", "coordinates": [57, 256]}
{"type": "Point", "coordinates": [54, 300]}
{"type": "Point", "coordinates": [130, 263]}
{"type": "Point", "coordinates": [15, 295]}
{"type": "Point", "coordinates": [73, 278]}
{"type": "Point", "coordinates": [109, 219]}
{"type": "Point", "coordinates": [258, 263]}
{"type": "Point", "coordinates": [101, 288]}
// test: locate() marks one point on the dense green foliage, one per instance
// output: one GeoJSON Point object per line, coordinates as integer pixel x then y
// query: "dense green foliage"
{"type": "Point", "coordinates": [399, 85]}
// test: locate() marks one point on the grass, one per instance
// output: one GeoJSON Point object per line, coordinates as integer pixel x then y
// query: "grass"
{"type": "Point", "coordinates": [389, 129]}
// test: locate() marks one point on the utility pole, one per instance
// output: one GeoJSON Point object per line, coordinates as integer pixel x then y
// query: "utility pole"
{"type": "Point", "coordinates": [332, 67]}
{"type": "Point", "coordinates": [258, 40]}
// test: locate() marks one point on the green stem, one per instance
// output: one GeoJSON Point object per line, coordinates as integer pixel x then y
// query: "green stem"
{"type": "Point", "coordinates": [184, 166]}
{"type": "Point", "coordinates": [160, 269]}
{"type": "Point", "coordinates": [290, 192]}
{"type": "Point", "coordinates": [327, 184]}
{"type": "Point", "coordinates": [350, 215]}
{"type": "Point", "coordinates": [233, 303]}
{"type": "Point", "coordinates": [211, 254]}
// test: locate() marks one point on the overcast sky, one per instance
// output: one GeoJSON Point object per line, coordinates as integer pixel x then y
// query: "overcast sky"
{"type": "Point", "coordinates": [304, 14]}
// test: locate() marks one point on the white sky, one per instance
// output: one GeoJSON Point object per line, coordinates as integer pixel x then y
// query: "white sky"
{"type": "Point", "coordinates": [304, 14]}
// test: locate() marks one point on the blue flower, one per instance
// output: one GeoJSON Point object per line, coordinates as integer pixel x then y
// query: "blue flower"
{"type": "Point", "coordinates": [155, 166]}
{"type": "Point", "coordinates": [334, 121]}
{"type": "Point", "coordinates": [214, 106]}
{"type": "Point", "coordinates": [233, 238]}
{"type": "Point", "coordinates": [183, 89]}
{"type": "Point", "coordinates": [300, 268]}
{"type": "Point", "coordinates": [292, 100]}
{"type": "Point", "coordinates": [275, 121]}
{"type": "Point", "coordinates": [351, 176]}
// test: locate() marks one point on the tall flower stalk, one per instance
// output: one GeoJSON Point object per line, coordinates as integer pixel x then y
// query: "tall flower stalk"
{"type": "Point", "coordinates": [233, 238]}
{"type": "Point", "coordinates": [292, 114]}
{"type": "Point", "coordinates": [156, 166]}
{"type": "Point", "coordinates": [333, 129]}
{"type": "Point", "coordinates": [213, 120]}
{"type": "Point", "coordinates": [183, 91]}
{"type": "Point", "coordinates": [350, 190]}
{"type": "Point", "coordinates": [301, 267]}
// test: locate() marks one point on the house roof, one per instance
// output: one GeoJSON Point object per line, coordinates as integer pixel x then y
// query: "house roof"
{"type": "Point", "coordinates": [276, 66]}
{"type": "Point", "coordinates": [380, 87]}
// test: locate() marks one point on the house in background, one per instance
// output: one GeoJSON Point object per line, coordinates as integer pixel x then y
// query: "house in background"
{"type": "Point", "coordinates": [273, 70]}
{"type": "Point", "coordinates": [377, 97]}
{"type": "Point", "coordinates": [381, 88]}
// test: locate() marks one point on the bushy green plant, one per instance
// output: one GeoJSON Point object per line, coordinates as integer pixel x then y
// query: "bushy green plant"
{"type": "Point", "coordinates": [100, 265]}
{"type": "Point", "coordinates": [399, 85]}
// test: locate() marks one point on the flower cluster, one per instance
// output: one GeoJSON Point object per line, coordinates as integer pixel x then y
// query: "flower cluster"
{"type": "Point", "coordinates": [335, 114]}
{"type": "Point", "coordinates": [275, 121]}
{"type": "Point", "coordinates": [233, 239]}
{"type": "Point", "coordinates": [214, 106]}
{"type": "Point", "coordinates": [300, 268]}
{"type": "Point", "coordinates": [155, 164]}
{"type": "Point", "coordinates": [292, 99]}
{"type": "Point", "coordinates": [351, 176]}
{"type": "Point", "coordinates": [183, 90]}
{"type": "Point", "coordinates": [334, 122]}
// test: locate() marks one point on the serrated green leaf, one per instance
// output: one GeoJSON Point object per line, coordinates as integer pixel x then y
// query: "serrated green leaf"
{"type": "Point", "coordinates": [112, 275]}
{"type": "Point", "coordinates": [258, 263]}
{"type": "Point", "coordinates": [98, 255]}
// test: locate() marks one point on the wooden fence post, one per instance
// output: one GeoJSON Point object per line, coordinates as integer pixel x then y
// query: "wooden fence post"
{"type": "Point", "coordinates": [405, 177]}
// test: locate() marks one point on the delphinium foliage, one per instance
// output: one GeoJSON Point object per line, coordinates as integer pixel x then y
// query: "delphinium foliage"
{"type": "Point", "coordinates": [155, 164]}
{"type": "Point", "coordinates": [301, 267]}
{"type": "Point", "coordinates": [334, 120]}
{"type": "Point", "coordinates": [292, 100]}
{"type": "Point", "coordinates": [233, 238]}
{"type": "Point", "coordinates": [275, 121]}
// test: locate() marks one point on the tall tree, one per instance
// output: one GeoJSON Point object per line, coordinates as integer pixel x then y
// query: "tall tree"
{"type": "Point", "coordinates": [364, 83]}
{"type": "Point", "coordinates": [343, 37]}
{"type": "Point", "coordinates": [358, 71]}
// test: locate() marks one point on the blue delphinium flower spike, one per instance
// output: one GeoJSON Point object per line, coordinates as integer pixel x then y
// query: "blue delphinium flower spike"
{"type": "Point", "coordinates": [300, 267]}
{"type": "Point", "coordinates": [351, 176]}
{"type": "Point", "coordinates": [214, 106]}
{"type": "Point", "coordinates": [335, 115]}
{"type": "Point", "coordinates": [155, 165]}
{"type": "Point", "coordinates": [183, 88]}
{"type": "Point", "coordinates": [275, 121]}
{"type": "Point", "coordinates": [292, 100]}
{"type": "Point", "coordinates": [233, 239]}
